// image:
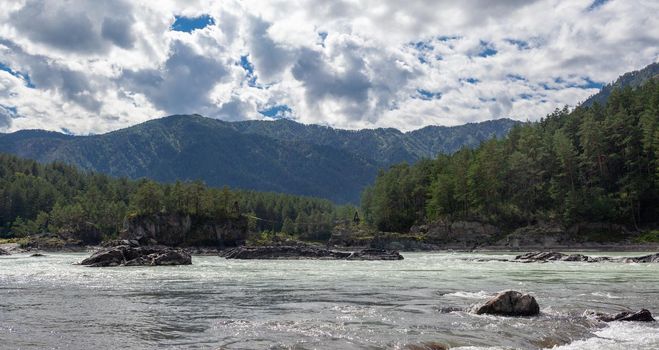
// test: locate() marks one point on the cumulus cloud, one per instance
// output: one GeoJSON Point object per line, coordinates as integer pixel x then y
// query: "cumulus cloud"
{"type": "Point", "coordinates": [183, 83]}
{"type": "Point", "coordinates": [94, 66]}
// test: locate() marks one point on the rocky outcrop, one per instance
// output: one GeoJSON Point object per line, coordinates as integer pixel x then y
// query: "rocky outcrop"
{"type": "Point", "coordinates": [509, 303]}
{"type": "Point", "coordinates": [552, 234]}
{"type": "Point", "coordinates": [458, 234]}
{"type": "Point", "coordinates": [185, 230]}
{"type": "Point", "coordinates": [642, 315]}
{"type": "Point", "coordinates": [135, 255]}
{"type": "Point", "coordinates": [307, 252]}
{"type": "Point", "coordinates": [85, 234]}
{"type": "Point", "coordinates": [540, 235]}
{"type": "Point", "coordinates": [4, 252]}
{"type": "Point", "coordinates": [556, 256]}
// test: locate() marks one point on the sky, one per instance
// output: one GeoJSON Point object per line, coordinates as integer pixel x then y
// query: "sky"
{"type": "Point", "coordinates": [87, 67]}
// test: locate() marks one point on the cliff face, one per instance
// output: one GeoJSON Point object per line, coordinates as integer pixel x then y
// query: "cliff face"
{"type": "Point", "coordinates": [186, 230]}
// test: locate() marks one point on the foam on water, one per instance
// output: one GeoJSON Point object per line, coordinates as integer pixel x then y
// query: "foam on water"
{"type": "Point", "coordinates": [216, 303]}
{"type": "Point", "coordinates": [471, 295]}
{"type": "Point", "coordinates": [619, 336]}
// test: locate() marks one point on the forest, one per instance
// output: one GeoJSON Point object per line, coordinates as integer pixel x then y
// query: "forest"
{"type": "Point", "coordinates": [591, 164]}
{"type": "Point", "coordinates": [596, 163]}
{"type": "Point", "coordinates": [38, 198]}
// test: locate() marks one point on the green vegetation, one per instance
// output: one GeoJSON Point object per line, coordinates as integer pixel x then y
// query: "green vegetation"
{"type": "Point", "coordinates": [57, 199]}
{"type": "Point", "coordinates": [279, 156]}
{"type": "Point", "coordinates": [649, 237]}
{"type": "Point", "coordinates": [593, 164]}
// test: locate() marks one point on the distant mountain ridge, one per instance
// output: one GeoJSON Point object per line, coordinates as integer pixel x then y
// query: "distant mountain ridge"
{"type": "Point", "coordinates": [280, 156]}
{"type": "Point", "coordinates": [631, 79]}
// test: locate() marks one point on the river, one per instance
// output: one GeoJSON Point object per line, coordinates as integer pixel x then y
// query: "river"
{"type": "Point", "coordinates": [50, 303]}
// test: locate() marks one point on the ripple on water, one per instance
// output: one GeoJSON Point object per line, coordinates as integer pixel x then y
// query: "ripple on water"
{"type": "Point", "coordinates": [218, 303]}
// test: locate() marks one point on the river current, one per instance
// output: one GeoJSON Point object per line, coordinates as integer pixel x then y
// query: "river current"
{"type": "Point", "coordinates": [50, 303]}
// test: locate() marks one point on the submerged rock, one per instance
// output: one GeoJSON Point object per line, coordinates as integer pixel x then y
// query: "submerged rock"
{"type": "Point", "coordinates": [541, 256]}
{"type": "Point", "coordinates": [652, 258]}
{"type": "Point", "coordinates": [130, 255]}
{"type": "Point", "coordinates": [555, 256]}
{"type": "Point", "coordinates": [509, 303]}
{"type": "Point", "coordinates": [36, 255]}
{"type": "Point", "coordinates": [431, 345]}
{"type": "Point", "coordinates": [642, 315]}
{"type": "Point", "coordinates": [307, 252]}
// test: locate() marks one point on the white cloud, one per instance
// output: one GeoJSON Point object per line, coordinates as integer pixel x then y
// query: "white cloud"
{"type": "Point", "coordinates": [97, 66]}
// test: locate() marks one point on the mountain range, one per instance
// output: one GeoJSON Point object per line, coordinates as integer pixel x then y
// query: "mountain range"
{"type": "Point", "coordinates": [280, 156]}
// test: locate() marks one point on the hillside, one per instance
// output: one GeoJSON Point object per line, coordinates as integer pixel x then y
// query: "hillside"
{"type": "Point", "coordinates": [280, 156]}
{"type": "Point", "coordinates": [590, 167]}
{"type": "Point", "coordinates": [385, 146]}
{"type": "Point", "coordinates": [631, 79]}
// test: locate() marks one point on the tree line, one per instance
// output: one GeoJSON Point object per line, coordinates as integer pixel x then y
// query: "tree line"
{"type": "Point", "coordinates": [596, 164]}
{"type": "Point", "coordinates": [51, 198]}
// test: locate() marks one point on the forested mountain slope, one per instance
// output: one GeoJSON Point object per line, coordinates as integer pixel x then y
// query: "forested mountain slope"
{"type": "Point", "coordinates": [281, 156]}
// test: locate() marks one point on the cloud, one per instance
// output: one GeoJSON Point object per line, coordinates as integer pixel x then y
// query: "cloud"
{"type": "Point", "coordinates": [6, 115]}
{"type": "Point", "coordinates": [75, 27]}
{"type": "Point", "coordinates": [94, 66]}
{"type": "Point", "coordinates": [118, 31]}
{"type": "Point", "coordinates": [182, 85]}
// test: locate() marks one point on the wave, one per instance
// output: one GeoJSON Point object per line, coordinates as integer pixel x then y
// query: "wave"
{"type": "Point", "coordinates": [619, 336]}
{"type": "Point", "coordinates": [605, 295]}
{"type": "Point", "coordinates": [471, 295]}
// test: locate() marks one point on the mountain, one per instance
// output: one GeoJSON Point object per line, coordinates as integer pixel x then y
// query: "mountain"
{"type": "Point", "coordinates": [385, 146]}
{"type": "Point", "coordinates": [632, 79]}
{"type": "Point", "coordinates": [279, 156]}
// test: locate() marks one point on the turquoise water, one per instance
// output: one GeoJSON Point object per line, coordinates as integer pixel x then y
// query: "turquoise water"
{"type": "Point", "coordinates": [49, 302]}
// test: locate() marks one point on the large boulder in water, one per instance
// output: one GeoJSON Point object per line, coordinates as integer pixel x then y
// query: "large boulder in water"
{"type": "Point", "coordinates": [642, 315]}
{"type": "Point", "coordinates": [4, 252]}
{"type": "Point", "coordinates": [509, 303]}
{"type": "Point", "coordinates": [131, 255]}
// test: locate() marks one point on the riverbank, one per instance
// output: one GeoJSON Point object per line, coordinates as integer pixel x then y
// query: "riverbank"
{"type": "Point", "coordinates": [15, 248]}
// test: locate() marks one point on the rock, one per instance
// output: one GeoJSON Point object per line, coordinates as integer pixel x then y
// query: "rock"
{"type": "Point", "coordinates": [642, 315]}
{"type": "Point", "coordinates": [4, 252]}
{"type": "Point", "coordinates": [576, 257]}
{"type": "Point", "coordinates": [547, 234]}
{"type": "Point", "coordinates": [509, 303]}
{"type": "Point", "coordinates": [85, 233]}
{"type": "Point", "coordinates": [36, 255]}
{"type": "Point", "coordinates": [127, 255]}
{"type": "Point", "coordinates": [185, 230]}
{"type": "Point", "coordinates": [457, 234]}
{"type": "Point", "coordinates": [555, 256]}
{"type": "Point", "coordinates": [426, 346]}
{"type": "Point", "coordinates": [541, 256]}
{"type": "Point", "coordinates": [307, 252]}
{"type": "Point", "coordinates": [652, 258]}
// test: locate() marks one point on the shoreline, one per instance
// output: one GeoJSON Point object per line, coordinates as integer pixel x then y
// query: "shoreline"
{"type": "Point", "coordinates": [14, 248]}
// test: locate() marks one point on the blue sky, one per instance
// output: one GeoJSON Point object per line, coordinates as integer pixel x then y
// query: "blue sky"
{"type": "Point", "coordinates": [190, 24]}
{"type": "Point", "coordinates": [92, 67]}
